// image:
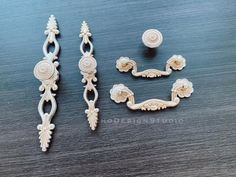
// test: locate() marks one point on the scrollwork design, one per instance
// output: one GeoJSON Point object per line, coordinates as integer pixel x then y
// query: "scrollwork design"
{"type": "Point", "coordinates": [87, 66]}
{"type": "Point", "coordinates": [176, 62]}
{"type": "Point", "coordinates": [181, 88]}
{"type": "Point", "coordinates": [46, 72]}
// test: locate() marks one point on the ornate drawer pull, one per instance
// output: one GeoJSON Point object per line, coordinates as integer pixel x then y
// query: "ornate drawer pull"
{"type": "Point", "coordinates": [181, 88]}
{"type": "Point", "coordinates": [87, 66]}
{"type": "Point", "coordinates": [176, 62]}
{"type": "Point", "coordinates": [46, 72]}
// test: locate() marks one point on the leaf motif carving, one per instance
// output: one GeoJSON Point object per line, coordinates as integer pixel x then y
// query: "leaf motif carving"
{"type": "Point", "coordinates": [51, 29]}
{"type": "Point", "coordinates": [92, 115]}
{"type": "Point", "coordinates": [45, 132]}
{"type": "Point", "coordinates": [151, 73]}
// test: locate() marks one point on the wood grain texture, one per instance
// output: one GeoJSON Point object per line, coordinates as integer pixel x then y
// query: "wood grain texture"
{"type": "Point", "coordinates": [197, 138]}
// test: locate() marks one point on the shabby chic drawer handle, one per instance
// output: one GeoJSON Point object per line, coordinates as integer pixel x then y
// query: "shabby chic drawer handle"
{"type": "Point", "coordinates": [181, 88]}
{"type": "Point", "coordinates": [46, 72]}
{"type": "Point", "coordinates": [176, 62]}
{"type": "Point", "coordinates": [87, 66]}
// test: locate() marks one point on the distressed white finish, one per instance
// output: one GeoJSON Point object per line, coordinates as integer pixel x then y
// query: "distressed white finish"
{"type": "Point", "coordinates": [46, 72]}
{"type": "Point", "coordinates": [181, 88]}
{"type": "Point", "coordinates": [176, 62]}
{"type": "Point", "coordinates": [87, 66]}
{"type": "Point", "coordinates": [152, 38]}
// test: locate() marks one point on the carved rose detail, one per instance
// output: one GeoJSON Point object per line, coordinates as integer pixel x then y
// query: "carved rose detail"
{"type": "Point", "coordinates": [44, 70]}
{"type": "Point", "coordinates": [183, 88]}
{"type": "Point", "coordinates": [152, 38]}
{"type": "Point", "coordinates": [119, 93]}
{"type": "Point", "coordinates": [177, 62]}
{"type": "Point", "coordinates": [87, 64]}
{"type": "Point", "coordinates": [124, 64]}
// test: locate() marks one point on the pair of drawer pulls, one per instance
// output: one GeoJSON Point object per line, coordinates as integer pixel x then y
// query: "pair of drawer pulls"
{"type": "Point", "coordinates": [46, 72]}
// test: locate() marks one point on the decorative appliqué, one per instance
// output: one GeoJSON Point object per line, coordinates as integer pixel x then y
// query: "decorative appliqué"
{"type": "Point", "coordinates": [176, 62]}
{"type": "Point", "coordinates": [181, 88]}
{"type": "Point", "coordinates": [46, 72]}
{"type": "Point", "coordinates": [87, 66]}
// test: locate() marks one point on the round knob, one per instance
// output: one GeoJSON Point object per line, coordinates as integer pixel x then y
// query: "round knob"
{"type": "Point", "coordinates": [152, 38]}
{"type": "Point", "coordinates": [87, 64]}
{"type": "Point", "coordinates": [44, 70]}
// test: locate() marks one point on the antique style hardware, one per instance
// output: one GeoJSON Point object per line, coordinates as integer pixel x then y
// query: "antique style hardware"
{"type": "Point", "coordinates": [87, 66]}
{"type": "Point", "coordinates": [46, 72]}
{"type": "Point", "coordinates": [181, 88]}
{"type": "Point", "coordinates": [152, 38]}
{"type": "Point", "coordinates": [176, 62]}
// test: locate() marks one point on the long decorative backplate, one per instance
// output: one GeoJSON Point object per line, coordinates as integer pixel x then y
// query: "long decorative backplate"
{"type": "Point", "coordinates": [181, 88]}
{"type": "Point", "coordinates": [176, 62]}
{"type": "Point", "coordinates": [46, 72]}
{"type": "Point", "coordinates": [87, 66]}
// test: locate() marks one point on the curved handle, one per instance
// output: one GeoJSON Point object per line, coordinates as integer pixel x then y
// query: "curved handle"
{"type": "Point", "coordinates": [181, 88]}
{"type": "Point", "coordinates": [176, 62]}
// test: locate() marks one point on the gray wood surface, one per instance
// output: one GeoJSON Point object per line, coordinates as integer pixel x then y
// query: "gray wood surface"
{"type": "Point", "coordinates": [195, 139]}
